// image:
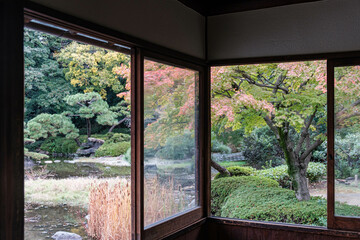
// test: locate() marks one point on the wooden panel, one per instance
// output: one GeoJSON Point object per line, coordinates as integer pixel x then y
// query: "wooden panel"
{"type": "Point", "coordinates": [11, 120]}
{"type": "Point", "coordinates": [229, 229]}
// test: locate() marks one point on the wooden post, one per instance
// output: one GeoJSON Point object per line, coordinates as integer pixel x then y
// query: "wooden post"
{"type": "Point", "coordinates": [11, 120]}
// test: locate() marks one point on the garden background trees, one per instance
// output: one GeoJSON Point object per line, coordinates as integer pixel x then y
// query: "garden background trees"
{"type": "Point", "coordinates": [288, 98]}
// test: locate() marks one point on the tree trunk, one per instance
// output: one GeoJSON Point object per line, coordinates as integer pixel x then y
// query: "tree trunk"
{"type": "Point", "coordinates": [296, 167]}
{"type": "Point", "coordinates": [88, 127]}
{"type": "Point", "coordinates": [77, 141]}
{"type": "Point", "coordinates": [219, 168]}
{"type": "Point", "coordinates": [117, 124]}
{"type": "Point", "coordinates": [297, 174]}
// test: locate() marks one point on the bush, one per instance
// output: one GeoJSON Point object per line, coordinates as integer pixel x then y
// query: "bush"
{"type": "Point", "coordinates": [59, 145]}
{"type": "Point", "coordinates": [127, 156]}
{"type": "Point", "coordinates": [112, 149]}
{"type": "Point", "coordinates": [223, 187]}
{"type": "Point", "coordinates": [261, 147]}
{"type": "Point", "coordinates": [117, 137]}
{"type": "Point", "coordinates": [280, 174]}
{"type": "Point", "coordinates": [218, 147]}
{"type": "Point", "coordinates": [237, 171]}
{"type": "Point", "coordinates": [178, 147]}
{"type": "Point", "coordinates": [273, 204]}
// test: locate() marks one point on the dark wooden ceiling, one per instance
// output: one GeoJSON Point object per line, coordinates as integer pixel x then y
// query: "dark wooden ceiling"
{"type": "Point", "coordinates": [211, 7]}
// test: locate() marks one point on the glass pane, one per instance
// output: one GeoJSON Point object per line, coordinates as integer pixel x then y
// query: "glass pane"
{"type": "Point", "coordinates": [269, 140]}
{"type": "Point", "coordinates": [77, 140]}
{"type": "Point", "coordinates": [170, 149]}
{"type": "Point", "coordinates": [347, 141]}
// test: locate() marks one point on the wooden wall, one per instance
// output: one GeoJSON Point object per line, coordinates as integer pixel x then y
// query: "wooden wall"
{"type": "Point", "coordinates": [227, 229]}
{"type": "Point", "coordinates": [221, 229]}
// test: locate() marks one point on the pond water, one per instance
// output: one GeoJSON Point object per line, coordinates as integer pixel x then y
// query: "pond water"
{"type": "Point", "coordinates": [42, 222]}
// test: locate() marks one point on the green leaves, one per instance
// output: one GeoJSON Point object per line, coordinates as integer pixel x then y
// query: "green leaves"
{"type": "Point", "coordinates": [46, 125]}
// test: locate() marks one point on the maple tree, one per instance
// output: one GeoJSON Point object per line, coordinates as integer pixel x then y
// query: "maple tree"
{"type": "Point", "coordinates": [289, 98]}
{"type": "Point", "coordinates": [94, 69]}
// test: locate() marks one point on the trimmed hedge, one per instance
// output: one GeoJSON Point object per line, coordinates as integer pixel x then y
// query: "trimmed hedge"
{"type": "Point", "coordinates": [223, 187]}
{"type": "Point", "coordinates": [112, 149]}
{"type": "Point", "coordinates": [237, 171]}
{"type": "Point", "coordinates": [273, 204]}
{"type": "Point", "coordinates": [59, 145]}
{"type": "Point", "coordinates": [280, 174]}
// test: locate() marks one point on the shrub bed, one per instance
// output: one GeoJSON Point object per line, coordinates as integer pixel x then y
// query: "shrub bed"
{"type": "Point", "coordinates": [59, 145]}
{"type": "Point", "coordinates": [223, 187]}
{"type": "Point", "coordinates": [280, 174]}
{"type": "Point", "coordinates": [112, 149]}
{"type": "Point", "coordinates": [237, 171]}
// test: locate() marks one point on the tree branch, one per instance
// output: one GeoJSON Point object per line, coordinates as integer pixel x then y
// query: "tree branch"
{"type": "Point", "coordinates": [304, 133]}
{"type": "Point", "coordinates": [311, 148]}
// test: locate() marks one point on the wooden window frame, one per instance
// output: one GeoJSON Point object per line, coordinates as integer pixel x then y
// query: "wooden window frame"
{"type": "Point", "coordinates": [336, 222]}
{"type": "Point", "coordinates": [138, 50]}
{"type": "Point", "coordinates": [348, 226]}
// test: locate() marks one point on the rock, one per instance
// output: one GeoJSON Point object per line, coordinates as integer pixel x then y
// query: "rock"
{"type": "Point", "coordinates": [66, 236]}
{"type": "Point", "coordinates": [350, 179]}
{"type": "Point", "coordinates": [89, 148]}
{"type": "Point", "coordinates": [48, 161]}
{"type": "Point", "coordinates": [57, 161]}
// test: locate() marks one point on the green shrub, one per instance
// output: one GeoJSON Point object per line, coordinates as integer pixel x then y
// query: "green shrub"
{"type": "Point", "coordinates": [112, 149]}
{"type": "Point", "coordinates": [280, 174]}
{"type": "Point", "coordinates": [59, 145]}
{"type": "Point", "coordinates": [127, 156]}
{"type": "Point", "coordinates": [273, 204]}
{"type": "Point", "coordinates": [237, 171]}
{"type": "Point", "coordinates": [178, 147]}
{"type": "Point", "coordinates": [223, 187]}
{"type": "Point", "coordinates": [117, 137]}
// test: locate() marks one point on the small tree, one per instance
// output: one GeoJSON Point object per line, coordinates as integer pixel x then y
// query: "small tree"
{"type": "Point", "coordinates": [45, 125]}
{"type": "Point", "coordinates": [91, 105]}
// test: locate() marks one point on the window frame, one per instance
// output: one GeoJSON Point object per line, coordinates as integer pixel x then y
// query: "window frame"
{"type": "Point", "coordinates": [137, 50]}
{"type": "Point", "coordinates": [335, 222]}
{"type": "Point", "coordinates": [188, 217]}
{"type": "Point", "coordinates": [344, 224]}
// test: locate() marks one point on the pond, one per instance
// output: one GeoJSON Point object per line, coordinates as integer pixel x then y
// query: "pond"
{"type": "Point", "coordinates": [42, 222]}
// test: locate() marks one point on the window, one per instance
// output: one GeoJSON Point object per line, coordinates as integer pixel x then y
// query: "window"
{"type": "Point", "coordinates": [343, 172]}
{"type": "Point", "coordinates": [77, 139]}
{"type": "Point", "coordinates": [170, 140]}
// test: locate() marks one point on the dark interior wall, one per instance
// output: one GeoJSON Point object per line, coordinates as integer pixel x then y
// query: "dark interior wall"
{"type": "Point", "coordinates": [164, 22]}
{"type": "Point", "coordinates": [308, 28]}
{"type": "Point", "coordinates": [217, 229]}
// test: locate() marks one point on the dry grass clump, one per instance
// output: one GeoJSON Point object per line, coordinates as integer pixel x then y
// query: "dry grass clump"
{"type": "Point", "coordinates": [110, 207]}
{"type": "Point", "coordinates": [110, 211]}
{"type": "Point", "coordinates": [160, 201]}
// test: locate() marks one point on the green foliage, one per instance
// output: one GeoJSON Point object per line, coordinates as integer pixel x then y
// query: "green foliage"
{"type": "Point", "coordinates": [117, 137]}
{"type": "Point", "coordinates": [112, 149]}
{"type": "Point", "coordinates": [260, 147]}
{"type": "Point", "coordinates": [45, 84]}
{"type": "Point", "coordinates": [237, 171]}
{"type": "Point", "coordinates": [46, 125]}
{"type": "Point", "coordinates": [232, 163]}
{"type": "Point", "coordinates": [218, 147]}
{"type": "Point", "coordinates": [273, 204]}
{"type": "Point", "coordinates": [127, 156]}
{"type": "Point", "coordinates": [34, 155]}
{"type": "Point", "coordinates": [347, 150]}
{"type": "Point", "coordinates": [94, 69]}
{"type": "Point", "coordinates": [280, 174]}
{"type": "Point", "coordinates": [59, 145]}
{"type": "Point", "coordinates": [223, 187]}
{"type": "Point", "coordinates": [178, 147]}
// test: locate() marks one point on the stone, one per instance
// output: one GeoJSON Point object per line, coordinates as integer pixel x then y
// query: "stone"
{"type": "Point", "coordinates": [61, 235]}
{"type": "Point", "coordinates": [350, 178]}
{"type": "Point", "coordinates": [48, 161]}
{"type": "Point", "coordinates": [89, 148]}
{"type": "Point", "coordinates": [57, 161]}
